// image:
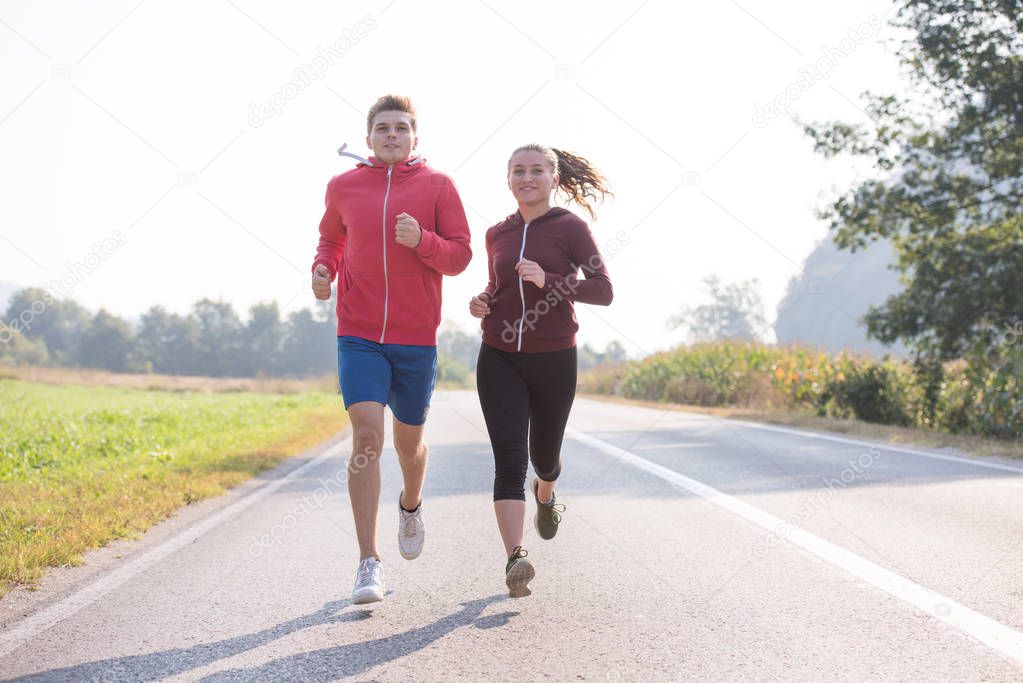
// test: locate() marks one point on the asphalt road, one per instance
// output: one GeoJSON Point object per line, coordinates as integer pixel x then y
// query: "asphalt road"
{"type": "Point", "coordinates": [691, 548]}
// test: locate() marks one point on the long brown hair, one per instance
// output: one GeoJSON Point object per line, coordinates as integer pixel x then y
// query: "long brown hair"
{"type": "Point", "coordinates": [577, 178]}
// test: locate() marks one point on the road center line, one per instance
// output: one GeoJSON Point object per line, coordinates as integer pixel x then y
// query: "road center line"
{"type": "Point", "coordinates": [877, 444]}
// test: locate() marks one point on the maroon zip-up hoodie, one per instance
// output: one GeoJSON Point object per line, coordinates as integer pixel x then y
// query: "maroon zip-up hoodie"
{"type": "Point", "coordinates": [524, 317]}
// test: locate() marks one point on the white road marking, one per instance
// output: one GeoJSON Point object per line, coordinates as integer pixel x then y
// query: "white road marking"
{"type": "Point", "coordinates": [877, 444]}
{"type": "Point", "coordinates": [994, 634]}
{"type": "Point", "coordinates": [28, 628]}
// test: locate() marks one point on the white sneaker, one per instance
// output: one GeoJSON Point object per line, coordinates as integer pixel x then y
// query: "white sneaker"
{"type": "Point", "coordinates": [411, 531]}
{"type": "Point", "coordinates": [369, 582]}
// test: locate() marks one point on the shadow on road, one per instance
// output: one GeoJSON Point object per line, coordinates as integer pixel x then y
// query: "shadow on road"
{"type": "Point", "coordinates": [319, 665]}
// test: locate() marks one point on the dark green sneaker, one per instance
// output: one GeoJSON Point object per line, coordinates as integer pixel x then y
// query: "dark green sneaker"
{"type": "Point", "coordinates": [548, 515]}
{"type": "Point", "coordinates": [518, 573]}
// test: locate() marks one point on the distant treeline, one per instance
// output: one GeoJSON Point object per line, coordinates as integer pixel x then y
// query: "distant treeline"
{"type": "Point", "coordinates": [211, 340]}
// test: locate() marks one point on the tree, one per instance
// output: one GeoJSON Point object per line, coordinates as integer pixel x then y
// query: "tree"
{"type": "Point", "coordinates": [167, 343]}
{"type": "Point", "coordinates": [459, 346]}
{"type": "Point", "coordinates": [451, 371]}
{"type": "Point", "coordinates": [948, 179]}
{"type": "Point", "coordinates": [735, 312]}
{"type": "Point", "coordinates": [17, 349]}
{"type": "Point", "coordinates": [106, 343]}
{"type": "Point", "coordinates": [261, 341]}
{"type": "Point", "coordinates": [38, 315]}
{"type": "Point", "coordinates": [219, 339]}
{"type": "Point", "coordinates": [309, 343]}
{"type": "Point", "coordinates": [587, 357]}
{"type": "Point", "coordinates": [614, 353]}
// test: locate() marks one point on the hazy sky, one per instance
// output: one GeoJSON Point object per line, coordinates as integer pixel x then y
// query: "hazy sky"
{"type": "Point", "coordinates": [142, 163]}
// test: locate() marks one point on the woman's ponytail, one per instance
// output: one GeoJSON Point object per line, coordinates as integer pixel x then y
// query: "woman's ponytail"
{"type": "Point", "coordinates": [577, 178]}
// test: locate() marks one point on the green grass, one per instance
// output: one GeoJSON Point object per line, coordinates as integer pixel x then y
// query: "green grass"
{"type": "Point", "coordinates": [83, 465]}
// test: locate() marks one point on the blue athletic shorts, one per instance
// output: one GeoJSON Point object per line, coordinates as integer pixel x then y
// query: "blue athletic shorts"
{"type": "Point", "coordinates": [397, 375]}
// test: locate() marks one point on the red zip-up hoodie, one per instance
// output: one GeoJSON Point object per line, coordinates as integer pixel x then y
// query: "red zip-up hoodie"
{"type": "Point", "coordinates": [387, 292]}
{"type": "Point", "coordinates": [524, 317]}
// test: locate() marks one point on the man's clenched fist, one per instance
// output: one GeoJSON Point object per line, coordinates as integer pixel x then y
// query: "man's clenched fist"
{"type": "Point", "coordinates": [407, 231]}
{"type": "Point", "coordinates": [321, 282]}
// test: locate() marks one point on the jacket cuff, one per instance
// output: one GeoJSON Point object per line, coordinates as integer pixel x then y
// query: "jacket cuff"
{"type": "Point", "coordinates": [427, 243]}
{"type": "Point", "coordinates": [330, 271]}
{"type": "Point", "coordinates": [552, 281]}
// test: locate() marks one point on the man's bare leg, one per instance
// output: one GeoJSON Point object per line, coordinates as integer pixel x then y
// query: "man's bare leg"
{"type": "Point", "coordinates": [413, 454]}
{"type": "Point", "coordinates": [367, 419]}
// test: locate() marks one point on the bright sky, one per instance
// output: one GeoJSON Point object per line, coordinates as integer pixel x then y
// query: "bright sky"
{"type": "Point", "coordinates": [134, 123]}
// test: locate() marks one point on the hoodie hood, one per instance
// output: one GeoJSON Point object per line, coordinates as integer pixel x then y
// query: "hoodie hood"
{"type": "Point", "coordinates": [554, 212]}
{"type": "Point", "coordinates": [373, 162]}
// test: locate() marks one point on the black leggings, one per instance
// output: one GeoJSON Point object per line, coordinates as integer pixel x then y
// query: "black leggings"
{"type": "Point", "coordinates": [525, 394]}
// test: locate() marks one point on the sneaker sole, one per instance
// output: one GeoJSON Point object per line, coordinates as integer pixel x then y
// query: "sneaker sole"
{"type": "Point", "coordinates": [518, 578]}
{"type": "Point", "coordinates": [366, 597]}
{"type": "Point", "coordinates": [410, 556]}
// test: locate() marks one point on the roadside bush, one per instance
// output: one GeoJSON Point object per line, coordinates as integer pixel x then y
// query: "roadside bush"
{"type": "Point", "coordinates": [975, 395]}
{"type": "Point", "coordinates": [872, 392]}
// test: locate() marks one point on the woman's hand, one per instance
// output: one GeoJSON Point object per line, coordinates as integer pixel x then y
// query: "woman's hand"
{"type": "Point", "coordinates": [478, 307]}
{"type": "Point", "coordinates": [530, 271]}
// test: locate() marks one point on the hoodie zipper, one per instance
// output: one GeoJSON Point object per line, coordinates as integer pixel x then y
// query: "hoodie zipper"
{"type": "Point", "coordinates": [387, 193]}
{"type": "Point", "coordinates": [522, 293]}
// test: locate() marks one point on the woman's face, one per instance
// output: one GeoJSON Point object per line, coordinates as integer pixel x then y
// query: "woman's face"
{"type": "Point", "coordinates": [531, 178]}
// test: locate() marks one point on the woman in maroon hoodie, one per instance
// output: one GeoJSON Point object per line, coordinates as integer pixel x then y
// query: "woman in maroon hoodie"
{"type": "Point", "coordinates": [526, 372]}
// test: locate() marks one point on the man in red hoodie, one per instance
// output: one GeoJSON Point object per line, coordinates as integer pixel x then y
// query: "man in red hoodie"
{"type": "Point", "coordinates": [393, 227]}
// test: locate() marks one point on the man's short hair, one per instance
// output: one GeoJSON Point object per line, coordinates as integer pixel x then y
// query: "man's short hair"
{"type": "Point", "coordinates": [391, 103]}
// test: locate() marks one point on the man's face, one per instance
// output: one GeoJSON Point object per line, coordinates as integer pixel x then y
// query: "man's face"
{"type": "Point", "coordinates": [391, 137]}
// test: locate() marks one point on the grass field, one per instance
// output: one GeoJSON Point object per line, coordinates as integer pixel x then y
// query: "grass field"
{"type": "Point", "coordinates": [65, 376]}
{"type": "Point", "coordinates": [81, 465]}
